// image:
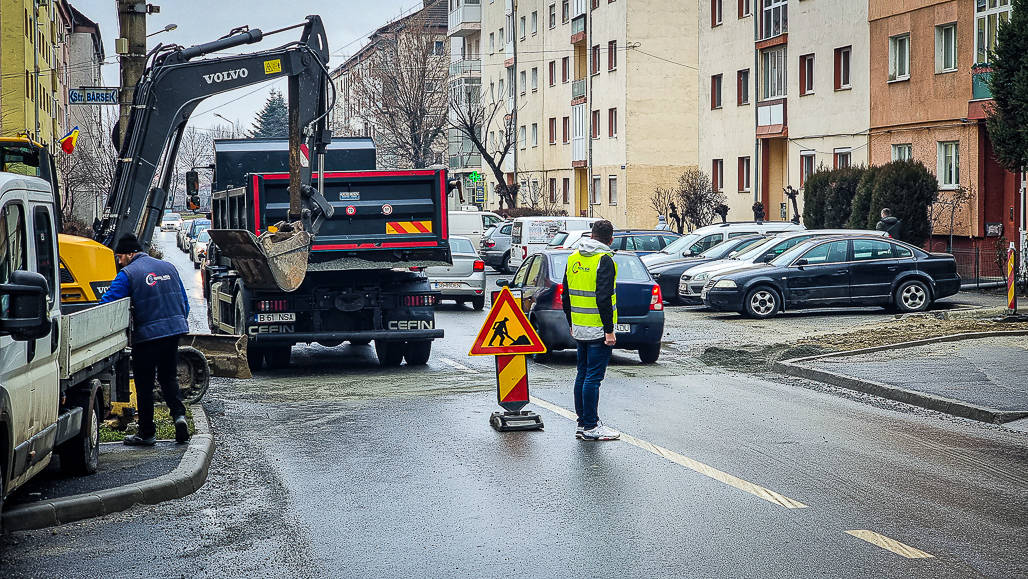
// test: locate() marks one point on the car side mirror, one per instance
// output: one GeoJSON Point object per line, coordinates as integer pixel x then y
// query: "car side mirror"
{"type": "Point", "coordinates": [800, 263]}
{"type": "Point", "coordinates": [687, 253]}
{"type": "Point", "coordinates": [24, 311]}
{"type": "Point", "coordinates": [502, 283]}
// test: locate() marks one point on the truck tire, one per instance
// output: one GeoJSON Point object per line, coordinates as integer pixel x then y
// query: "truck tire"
{"type": "Point", "coordinates": [390, 354]}
{"type": "Point", "coordinates": [194, 375]}
{"type": "Point", "coordinates": [81, 454]}
{"type": "Point", "coordinates": [278, 356]}
{"type": "Point", "coordinates": [418, 352]}
{"type": "Point", "coordinates": [254, 355]}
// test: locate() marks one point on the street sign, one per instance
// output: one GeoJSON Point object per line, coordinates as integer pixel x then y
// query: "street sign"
{"type": "Point", "coordinates": [512, 382]}
{"type": "Point", "coordinates": [93, 96]}
{"type": "Point", "coordinates": [506, 331]}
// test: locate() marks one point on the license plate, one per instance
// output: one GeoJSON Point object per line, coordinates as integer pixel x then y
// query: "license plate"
{"type": "Point", "coordinates": [277, 317]}
{"type": "Point", "coordinates": [447, 285]}
{"type": "Point", "coordinates": [623, 328]}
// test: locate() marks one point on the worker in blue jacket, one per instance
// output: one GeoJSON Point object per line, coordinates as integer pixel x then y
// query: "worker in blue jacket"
{"type": "Point", "coordinates": [159, 312]}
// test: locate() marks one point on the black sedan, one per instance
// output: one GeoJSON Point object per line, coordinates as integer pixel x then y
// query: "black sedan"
{"type": "Point", "coordinates": [640, 326]}
{"type": "Point", "coordinates": [838, 272]}
{"type": "Point", "coordinates": [668, 273]}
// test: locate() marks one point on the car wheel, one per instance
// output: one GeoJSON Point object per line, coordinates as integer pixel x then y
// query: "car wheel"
{"type": "Point", "coordinates": [81, 454]}
{"type": "Point", "coordinates": [478, 303]}
{"type": "Point", "coordinates": [390, 354]}
{"type": "Point", "coordinates": [762, 302]}
{"type": "Point", "coordinates": [505, 263]}
{"type": "Point", "coordinates": [649, 353]}
{"type": "Point", "coordinates": [913, 296]}
{"type": "Point", "coordinates": [417, 352]}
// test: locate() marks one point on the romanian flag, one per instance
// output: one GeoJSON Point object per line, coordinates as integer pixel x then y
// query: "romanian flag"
{"type": "Point", "coordinates": [69, 140]}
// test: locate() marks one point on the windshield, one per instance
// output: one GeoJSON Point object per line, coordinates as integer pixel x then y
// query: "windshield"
{"type": "Point", "coordinates": [20, 159]}
{"type": "Point", "coordinates": [172, 216]}
{"type": "Point", "coordinates": [682, 243]}
{"type": "Point", "coordinates": [461, 245]}
{"type": "Point", "coordinates": [792, 253]}
{"type": "Point", "coordinates": [204, 237]}
{"type": "Point", "coordinates": [722, 250]}
{"type": "Point", "coordinates": [757, 249]}
{"type": "Point", "coordinates": [630, 267]}
{"type": "Point", "coordinates": [558, 239]}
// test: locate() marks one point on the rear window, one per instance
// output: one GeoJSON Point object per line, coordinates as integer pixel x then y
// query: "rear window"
{"type": "Point", "coordinates": [204, 237]}
{"type": "Point", "coordinates": [630, 267]}
{"type": "Point", "coordinates": [558, 239]}
{"type": "Point", "coordinates": [461, 246]}
{"type": "Point", "coordinates": [170, 216]}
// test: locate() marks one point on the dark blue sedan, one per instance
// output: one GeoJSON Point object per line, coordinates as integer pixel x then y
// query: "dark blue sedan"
{"type": "Point", "coordinates": [640, 306]}
{"type": "Point", "coordinates": [833, 272]}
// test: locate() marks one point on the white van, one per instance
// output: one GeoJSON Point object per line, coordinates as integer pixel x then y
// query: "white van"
{"type": "Point", "coordinates": [530, 235]}
{"type": "Point", "coordinates": [471, 224]}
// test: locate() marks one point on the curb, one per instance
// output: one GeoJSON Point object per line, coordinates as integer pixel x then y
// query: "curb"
{"type": "Point", "coordinates": [185, 479]}
{"type": "Point", "coordinates": [930, 401]}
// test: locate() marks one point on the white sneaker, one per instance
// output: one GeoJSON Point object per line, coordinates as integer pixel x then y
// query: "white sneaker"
{"type": "Point", "coordinates": [578, 431]}
{"type": "Point", "coordinates": [601, 432]}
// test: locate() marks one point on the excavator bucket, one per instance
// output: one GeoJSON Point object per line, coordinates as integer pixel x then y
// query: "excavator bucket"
{"type": "Point", "coordinates": [272, 261]}
{"type": "Point", "coordinates": [226, 354]}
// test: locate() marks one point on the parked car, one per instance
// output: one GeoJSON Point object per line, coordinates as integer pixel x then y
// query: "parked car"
{"type": "Point", "coordinates": [838, 272]}
{"type": "Point", "coordinates": [641, 242]}
{"type": "Point", "coordinates": [464, 281]}
{"type": "Point", "coordinates": [693, 279]}
{"type": "Point", "coordinates": [189, 230]}
{"type": "Point", "coordinates": [695, 243]}
{"type": "Point", "coordinates": [171, 222]}
{"type": "Point", "coordinates": [198, 251]}
{"type": "Point", "coordinates": [471, 224]}
{"type": "Point", "coordinates": [530, 235]}
{"type": "Point", "coordinates": [495, 246]}
{"type": "Point", "coordinates": [539, 282]}
{"type": "Point", "coordinates": [669, 273]}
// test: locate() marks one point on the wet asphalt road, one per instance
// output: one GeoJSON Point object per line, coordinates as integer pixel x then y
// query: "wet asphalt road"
{"type": "Point", "coordinates": [337, 468]}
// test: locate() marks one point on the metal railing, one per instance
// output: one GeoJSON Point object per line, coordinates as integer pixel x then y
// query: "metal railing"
{"type": "Point", "coordinates": [466, 66]}
{"type": "Point", "coordinates": [978, 267]}
{"type": "Point", "coordinates": [578, 88]}
{"type": "Point", "coordinates": [980, 76]}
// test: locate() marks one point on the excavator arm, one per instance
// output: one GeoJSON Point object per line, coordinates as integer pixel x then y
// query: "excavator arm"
{"type": "Point", "coordinates": [168, 93]}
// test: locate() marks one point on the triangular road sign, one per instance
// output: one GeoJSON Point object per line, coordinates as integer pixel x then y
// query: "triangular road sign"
{"type": "Point", "coordinates": [506, 331]}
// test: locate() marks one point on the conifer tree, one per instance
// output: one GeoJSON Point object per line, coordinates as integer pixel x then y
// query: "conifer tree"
{"type": "Point", "coordinates": [1008, 116]}
{"type": "Point", "coordinates": [273, 119]}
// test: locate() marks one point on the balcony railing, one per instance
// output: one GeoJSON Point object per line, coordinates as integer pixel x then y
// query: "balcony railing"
{"type": "Point", "coordinates": [465, 161]}
{"type": "Point", "coordinates": [980, 76]}
{"type": "Point", "coordinates": [578, 88]}
{"type": "Point", "coordinates": [466, 66]}
{"type": "Point", "coordinates": [772, 117]}
{"type": "Point", "coordinates": [577, 27]}
{"type": "Point", "coordinates": [465, 19]}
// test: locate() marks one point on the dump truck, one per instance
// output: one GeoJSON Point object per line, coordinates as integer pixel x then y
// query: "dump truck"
{"type": "Point", "coordinates": [362, 281]}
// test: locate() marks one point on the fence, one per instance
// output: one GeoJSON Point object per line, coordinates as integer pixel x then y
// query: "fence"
{"type": "Point", "coordinates": [978, 267]}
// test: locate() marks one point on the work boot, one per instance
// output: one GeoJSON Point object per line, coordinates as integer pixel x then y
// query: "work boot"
{"type": "Point", "coordinates": [136, 440]}
{"type": "Point", "coordinates": [181, 430]}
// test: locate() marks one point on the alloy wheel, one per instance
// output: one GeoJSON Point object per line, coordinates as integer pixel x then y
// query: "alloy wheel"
{"type": "Point", "coordinates": [763, 302]}
{"type": "Point", "coordinates": [913, 297]}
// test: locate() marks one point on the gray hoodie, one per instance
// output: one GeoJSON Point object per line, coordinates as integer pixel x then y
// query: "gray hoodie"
{"type": "Point", "coordinates": [605, 274]}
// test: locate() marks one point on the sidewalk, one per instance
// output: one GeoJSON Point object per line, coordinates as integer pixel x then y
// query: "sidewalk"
{"type": "Point", "coordinates": [983, 378]}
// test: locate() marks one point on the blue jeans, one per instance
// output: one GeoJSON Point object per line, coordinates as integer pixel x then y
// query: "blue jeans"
{"type": "Point", "coordinates": [592, 365]}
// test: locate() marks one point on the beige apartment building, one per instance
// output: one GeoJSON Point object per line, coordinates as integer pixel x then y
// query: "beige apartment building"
{"type": "Point", "coordinates": [598, 89]}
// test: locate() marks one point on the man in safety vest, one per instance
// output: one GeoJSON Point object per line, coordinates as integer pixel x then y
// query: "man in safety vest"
{"type": "Point", "coordinates": [590, 305]}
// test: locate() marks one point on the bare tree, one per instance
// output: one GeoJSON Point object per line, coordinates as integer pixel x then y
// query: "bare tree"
{"type": "Point", "coordinates": [87, 174]}
{"type": "Point", "coordinates": [698, 199]}
{"type": "Point", "coordinates": [472, 117]}
{"type": "Point", "coordinates": [943, 212]}
{"type": "Point", "coordinates": [661, 200]}
{"type": "Point", "coordinates": [402, 87]}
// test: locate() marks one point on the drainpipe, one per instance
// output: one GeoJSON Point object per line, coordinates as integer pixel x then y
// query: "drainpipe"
{"type": "Point", "coordinates": [756, 166]}
{"type": "Point", "coordinates": [589, 111]}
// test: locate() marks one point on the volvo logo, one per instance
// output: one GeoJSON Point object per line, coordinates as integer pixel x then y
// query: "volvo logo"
{"type": "Point", "coordinates": [227, 75]}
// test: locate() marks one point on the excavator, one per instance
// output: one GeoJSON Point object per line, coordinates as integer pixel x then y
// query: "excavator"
{"type": "Point", "coordinates": [175, 81]}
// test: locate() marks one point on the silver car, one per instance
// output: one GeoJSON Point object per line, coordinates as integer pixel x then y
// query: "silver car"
{"type": "Point", "coordinates": [496, 246]}
{"type": "Point", "coordinates": [464, 281]}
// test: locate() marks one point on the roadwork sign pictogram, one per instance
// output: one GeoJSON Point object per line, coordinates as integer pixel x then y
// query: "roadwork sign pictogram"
{"type": "Point", "coordinates": [506, 331]}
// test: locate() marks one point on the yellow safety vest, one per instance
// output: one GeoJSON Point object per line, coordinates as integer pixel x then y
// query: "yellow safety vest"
{"type": "Point", "coordinates": [581, 275]}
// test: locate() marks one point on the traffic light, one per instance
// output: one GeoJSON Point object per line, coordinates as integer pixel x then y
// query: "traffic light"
{"type": "Point", "coordinates": [192, 190]}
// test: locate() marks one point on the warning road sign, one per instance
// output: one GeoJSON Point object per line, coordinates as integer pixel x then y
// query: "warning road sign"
{"type": "Point", "coordinates": [512, 382]}
{"type": "Point", "coordinates": [506, 331]}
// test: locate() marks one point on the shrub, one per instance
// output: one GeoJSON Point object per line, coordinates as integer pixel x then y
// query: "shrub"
{"type": "Point", "coordinates": [828, 197]}
{"type": "Point", "coordinates": [860, 208]}
{"type": "Point", "coordinates": [909, 189]}
{"type": "Point", "coordinates": [815, 190]}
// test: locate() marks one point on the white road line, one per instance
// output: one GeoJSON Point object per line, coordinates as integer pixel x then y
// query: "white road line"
{"type": "Point", "coordinates": [457, 365]}
{"type": "Point", "coordinates": [695, 465]}
{"type": "Point", "coordinates": [890, 544]}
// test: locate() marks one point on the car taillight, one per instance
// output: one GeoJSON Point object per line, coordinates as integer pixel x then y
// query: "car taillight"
{"type": "Point", "coordinates": [656, 299]}
{"type": "Point", "coordinates": [558, 296]}
{"type": "Point", "coordinates": [419, 301]}
{"type": "Point", "coordinates": [272, 305]}
{"type": "Point", "coordinates": [479, 265]}
{"type": "Point", "coordinates": [488, 243]}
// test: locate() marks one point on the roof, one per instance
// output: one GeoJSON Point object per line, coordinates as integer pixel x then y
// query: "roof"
{"type": "Point", "coordinates": [338, 143]}
{"type": "Point", "coordinates": [81, 23]}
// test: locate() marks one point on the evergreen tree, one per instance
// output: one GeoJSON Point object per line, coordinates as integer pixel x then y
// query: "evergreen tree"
{"type": "Point", "coordinates": [860, 209]}
{"type": "Point", "coordinates": [909, 189]}
{"type": "Point", "coordinates": [273, 119]}
{"type": "Point", "coordinates": [1009, 84]}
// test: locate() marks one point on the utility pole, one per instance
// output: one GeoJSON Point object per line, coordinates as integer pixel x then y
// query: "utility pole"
{"type": "Point", "coordinates": [131, 47]}
{"type": "Point", "coordinates": [514, 85]}
{"type": "Point", "coordinates": [35, 61]}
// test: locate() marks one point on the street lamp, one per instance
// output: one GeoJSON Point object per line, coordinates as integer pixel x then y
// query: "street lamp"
{"type": "Point", "coordinates": [167, 28]}
{"type": "Point", "coordinates": [234, 131]}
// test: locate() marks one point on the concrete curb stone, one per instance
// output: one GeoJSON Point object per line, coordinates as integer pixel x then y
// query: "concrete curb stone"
{"type": "Point", "coordinates": [185, 479]}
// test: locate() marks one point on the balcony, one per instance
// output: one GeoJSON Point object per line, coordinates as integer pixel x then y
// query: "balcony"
{"type": "Point", "coordinates": [466, 67]}
{"type": "Point", "coordinates": [465, 162]}
{"type": "Point", "coordinates": [579, 135]}
{"type": "Point", "coordinates": [773, 118]}
{"type": "Point", "coordinates": [466, 18]}
{"type": "Point", "coordinates": [578, 88]}
{"type": "Point", "coordinates": [579, 8]}
{"type": "Point", "coordinates": [980, 91]}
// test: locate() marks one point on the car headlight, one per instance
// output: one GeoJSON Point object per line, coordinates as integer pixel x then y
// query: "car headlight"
{"type": "Point", "coordinates": [701, 276]}
{"type": "Point", "coordinates": [726, 283]}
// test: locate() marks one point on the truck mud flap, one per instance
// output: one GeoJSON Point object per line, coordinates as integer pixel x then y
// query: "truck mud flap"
{"type": "Point", "coordinates": [271, 261]}
{"type": "Point", "coordinates": [226, 354]}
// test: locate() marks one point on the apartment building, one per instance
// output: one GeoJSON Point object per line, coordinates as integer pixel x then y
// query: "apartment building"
{"type": "Point", "coordinates": [929, 94]}
{"type": "Point", "coordinates": [84, 57]}
{"type": "Point", "coordinates": [465, 33]}
{"type": "Point", "coordinates": [597, 88]}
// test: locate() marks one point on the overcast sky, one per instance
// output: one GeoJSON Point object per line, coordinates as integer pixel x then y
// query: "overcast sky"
{"type": "Point", "coordinates": [348, 22]}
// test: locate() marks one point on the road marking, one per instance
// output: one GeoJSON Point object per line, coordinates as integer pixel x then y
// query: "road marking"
{"type": "Point", "coordinates": [695, 465]}
{"type": "Point", "coordinates": [890, 544]}
{"type": "Point", "coordinates": [457, 365]}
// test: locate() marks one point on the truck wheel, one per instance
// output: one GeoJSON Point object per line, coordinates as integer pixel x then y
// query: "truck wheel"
{"type": "Point", "coordinates": [194, 375]}
{"type": "Point", "coordinates": [278, 357]}
{"type": "Point", "coordinates": [418, 352]}
{"type": "Point", "coordinates": [478, 303]}
{"type": "Point", "coordinates": [390, 354]}
{"type": "Point", "coordinates": [649, 353]}
{"type": "Point", "coordinates": [81, 454]}
{"type": "Point", "coordinates": [254, 355]}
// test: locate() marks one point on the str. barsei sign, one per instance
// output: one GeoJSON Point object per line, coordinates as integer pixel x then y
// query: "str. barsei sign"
{"type": "Point", "coordinates": [93, 96]}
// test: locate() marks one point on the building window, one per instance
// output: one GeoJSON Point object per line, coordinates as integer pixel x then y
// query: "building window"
{"type": "Point", "coordinates": [595, 4]}
{"type": "Point", "coordinates": [842, 67]}
{"type": "Point", "coordinates": [843, 158]}
{"type": "Point", "coordinates": [596, 125]}
{"type": "Point", "coordinates": [439, 48]}
{"type": "Point", "coordinates": [806, 74]}
{"type": "Point", "coordinates": [521, 137]}
{"type": "Point", "coordinates": [715, 13]}
{"type": "Point", "coordinates": [774, 18]}
{"type": "Point", "coordinates": [946, 48]}
{"type": "Point", "coordinates": [612, 55]}
{"type": "Point", "coordinates": [744, 174]}
{"type": "Point", "coordinates": [565, 69]}
{"type": "Point", "coordinates": [595, 197]}
{"type": "Point", "coordinates": [612, 190]}
{"type": "Point", "coordinates": [715, 91]}
{"type": "Point", "coordinates": [535, 79]}
{"type": "Point", "coordinates": [717, 175]}
{"type": "Point", "coordinates": [535, 134]}
{"type": "Point", "coordinates": [902, 152]}
{"type": "Point", "coordinates": [523, 79]}
{"type": "Point", "coordinates": [745, 8]}
{"type": "Point", "coordinates": [522, 27]}
{"type": "Point", "coordinates": [535, 22]}
{"type": "Point", "coordinates": [553, 72]}
{"type": "Point", "coordinates": [949, 164]}
{"type": "Point", "coordinates": [553, 130]}
{"type": "Point", "coordinates": [553, 15]}
{"type": "Point", "coordinates": [553, 190]}
{"type": "Point", "coordinates": [565, 12]}
{"type": "Point", "coordinates": [806, 166]}
{"type": "Point", "coordinates": [612, 122]}
{"type": "Point", "coordinates": [594, 65]}
{"type": "Point", "coordinates": [566, 130]}
{"type": "Point", "coordinates": [773, 64]}
{"type": "Point", "coordinates": [492, 43]}
{"type": "Point", "coordinates": [989, 16]}
{"type": "Point", "coordinates": [899, 57]}
{"type": "Point", "coordinates": [742, 87]}
{"type": "Point", "coordinates": [566, 190]}
{"type": "Point", "coordinates": [502, 41]}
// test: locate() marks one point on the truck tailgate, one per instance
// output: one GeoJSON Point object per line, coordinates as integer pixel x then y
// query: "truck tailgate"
{"type": "Point", "coordinates": [91, 334]}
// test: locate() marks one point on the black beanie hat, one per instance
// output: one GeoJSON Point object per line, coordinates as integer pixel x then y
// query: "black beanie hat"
{"type": "Point", "coordinates": [128, 244]}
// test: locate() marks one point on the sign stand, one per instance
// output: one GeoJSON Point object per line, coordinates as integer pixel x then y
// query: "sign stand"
{"type": "Point", "coordinates": [508, 335]}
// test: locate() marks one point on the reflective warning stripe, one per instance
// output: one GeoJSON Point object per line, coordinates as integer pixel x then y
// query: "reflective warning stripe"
{"type": "Point", "coordinates": [408, 227]}
{"type": "Point", "coordinates": [582, 293]}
